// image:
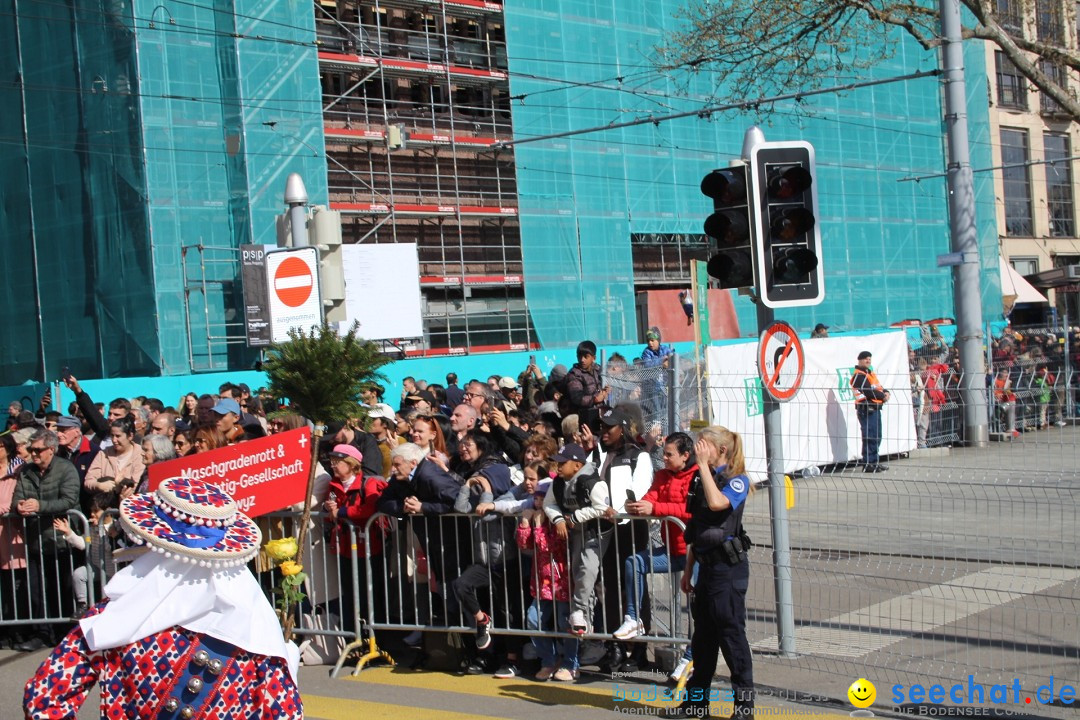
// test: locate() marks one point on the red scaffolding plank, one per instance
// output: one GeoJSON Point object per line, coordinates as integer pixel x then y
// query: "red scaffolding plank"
{"type": "Point", "coordinates": [415, 209]}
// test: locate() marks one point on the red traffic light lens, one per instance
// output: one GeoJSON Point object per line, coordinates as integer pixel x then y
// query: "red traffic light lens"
{"type": "Point", "coordinates": [789, 182]}
{"type": "Point", "coordinates": [726, 186]}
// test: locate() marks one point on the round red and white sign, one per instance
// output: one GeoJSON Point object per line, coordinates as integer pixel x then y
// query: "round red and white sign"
{"type": "Point", "coordinates": [781, 361]}
{"type": "Point", "coordinates": [293, 282]}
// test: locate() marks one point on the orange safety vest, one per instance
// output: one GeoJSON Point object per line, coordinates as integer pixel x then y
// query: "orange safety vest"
{"type": "Point", "coordinates": [871, 380]}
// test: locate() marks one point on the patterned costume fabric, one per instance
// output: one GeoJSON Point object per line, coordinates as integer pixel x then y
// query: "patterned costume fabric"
{"type": "Point", "coordinates": [137, 681]}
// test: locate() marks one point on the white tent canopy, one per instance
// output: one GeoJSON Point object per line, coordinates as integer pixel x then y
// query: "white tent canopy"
{"type": "Point", "coordinates": [1015, 289]}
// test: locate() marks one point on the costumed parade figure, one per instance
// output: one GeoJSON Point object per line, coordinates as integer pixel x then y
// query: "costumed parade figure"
{"type": "Point", "coordinates": [186, 632]}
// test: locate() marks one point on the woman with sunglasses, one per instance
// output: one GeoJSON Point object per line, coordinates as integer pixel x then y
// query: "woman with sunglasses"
{"type": "Point", "coordinates": [183, 443]}
{"type": "Point", "coordinates": [209, 438]}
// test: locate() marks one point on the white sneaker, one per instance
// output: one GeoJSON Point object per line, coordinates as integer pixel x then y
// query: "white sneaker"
{"type": "Point", "coordinates": [1060, 423]}
{"type": "Point", "coordinates": [677, 673]}
{"type": "Point", "coordinates": [629, 629]}
{"type": "Point", "coordinates": [578, 625]}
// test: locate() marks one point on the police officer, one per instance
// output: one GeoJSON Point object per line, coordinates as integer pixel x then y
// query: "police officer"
{"type": "Point", "coordinates": [869, 397]}
{"type": "Point", "coordinates": [718, 546]}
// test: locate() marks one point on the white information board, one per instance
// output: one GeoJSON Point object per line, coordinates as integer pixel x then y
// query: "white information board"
{"type": "Point", "coordinates": [382, 290]}
{"type": "Point", "coordinates": [292, 288]}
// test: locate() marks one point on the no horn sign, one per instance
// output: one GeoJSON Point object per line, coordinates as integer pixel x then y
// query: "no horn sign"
{"type": "Point", "coordinates": [293, 279]}
{"type": "Point", "coordinates": [781, 361]}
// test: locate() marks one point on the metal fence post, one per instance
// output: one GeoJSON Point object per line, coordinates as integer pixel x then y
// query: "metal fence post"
{"type": "Point", "coordinates": [673, 413]}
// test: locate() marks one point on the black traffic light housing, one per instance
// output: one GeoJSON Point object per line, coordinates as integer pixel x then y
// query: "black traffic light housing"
{"type": "Point", "coordinates": [730, 227]}
{"type": "Point", "coordinates": [787, 238]}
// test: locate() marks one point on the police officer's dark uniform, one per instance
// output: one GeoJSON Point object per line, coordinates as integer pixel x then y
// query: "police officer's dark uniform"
{"type": "Point", "coordinates": [719, 544]}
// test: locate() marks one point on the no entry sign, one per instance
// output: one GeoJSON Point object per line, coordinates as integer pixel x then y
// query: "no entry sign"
{"type": "Point", "coordinates": [292, 278]}
{"type": "Point", "coordinates": [781, 361]}
{"type": "Point", "coordinates": [293, 282]}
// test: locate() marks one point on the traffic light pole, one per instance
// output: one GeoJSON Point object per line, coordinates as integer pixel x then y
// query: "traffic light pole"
{"type": "Point", "coordinates": [966, 279]}
{"type": "Point", "coordinates": [781, 541]}
{"type": "Point", "coordinates": [774, 454]}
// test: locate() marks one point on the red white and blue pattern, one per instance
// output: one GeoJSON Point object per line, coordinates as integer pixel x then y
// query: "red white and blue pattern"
{"type": "Point", "coordinates": [173, 522]}
{"type": "Point", "coordinates": [137, 679]}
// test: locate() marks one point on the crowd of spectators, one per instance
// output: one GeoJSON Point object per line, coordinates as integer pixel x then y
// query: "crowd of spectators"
{"type": "Point", "coordinates": [514, 447]}
{"type": "Point", "coordinates": [1030, 382]}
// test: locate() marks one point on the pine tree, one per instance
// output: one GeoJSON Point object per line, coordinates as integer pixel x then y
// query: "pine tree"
{"type": "Point", "coordinates": [322, 373]}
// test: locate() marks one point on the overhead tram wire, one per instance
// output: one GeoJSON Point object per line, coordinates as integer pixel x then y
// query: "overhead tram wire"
{"type": "Point", "coordinates": [706, 111]}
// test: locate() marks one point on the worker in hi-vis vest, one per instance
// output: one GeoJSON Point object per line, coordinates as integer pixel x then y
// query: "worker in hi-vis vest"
{"type": "Point", "coordinates": [870, 396]}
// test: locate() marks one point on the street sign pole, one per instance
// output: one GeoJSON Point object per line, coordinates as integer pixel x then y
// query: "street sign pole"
{"type": "Point", "coordinates": [774, 453]}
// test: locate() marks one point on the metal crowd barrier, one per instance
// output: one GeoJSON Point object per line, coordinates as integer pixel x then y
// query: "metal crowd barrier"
{"type": "Point", "coordinates": [37, 586]}
{"type": "Point", "coordinates": [411, 590]}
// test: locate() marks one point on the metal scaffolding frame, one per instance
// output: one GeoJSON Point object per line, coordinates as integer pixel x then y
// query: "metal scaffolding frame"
{"type": "Point", "coordinates": [415, 93]}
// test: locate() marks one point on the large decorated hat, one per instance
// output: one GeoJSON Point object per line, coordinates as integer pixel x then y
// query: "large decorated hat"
{"type": "Point", "coordinates": [193, 521]}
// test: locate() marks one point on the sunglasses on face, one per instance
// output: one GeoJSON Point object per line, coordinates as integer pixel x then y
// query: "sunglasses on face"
{"type": "Point", "coordinates": [37, 450]}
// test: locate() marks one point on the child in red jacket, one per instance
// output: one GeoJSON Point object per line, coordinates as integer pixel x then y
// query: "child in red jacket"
{"type": "Point", "coordinates": [666, 498]}
{"type": "Point", "coordinates": [549, 584]}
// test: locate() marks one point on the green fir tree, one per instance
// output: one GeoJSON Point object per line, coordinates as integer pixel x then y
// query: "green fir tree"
{"type": "Point", "coordinates": [322, 373]}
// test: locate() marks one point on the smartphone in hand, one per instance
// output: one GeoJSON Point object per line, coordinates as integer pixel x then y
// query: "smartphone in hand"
{"type": "Point", "coordinates": [65, 373]}
{"type": "Point", "coordinates": [631, 496]}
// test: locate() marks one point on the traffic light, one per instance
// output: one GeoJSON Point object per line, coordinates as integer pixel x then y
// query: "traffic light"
{"type": "Point", "coordinates": [324, 230]}
{"type": "Point", "coordinates": [788, 251]}
{"type": "Point", "coordinates": [730, 227]}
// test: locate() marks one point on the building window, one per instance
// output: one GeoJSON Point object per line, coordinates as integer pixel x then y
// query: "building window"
{"type": "Point", "coordinates": [664, 258]}
{"type": "Point", "coordinates": [1011, 85]}
{"type": "Point", "coordinates": [1058, 76]}
{"type": "Point", "coordinates": [1049, 27]}
{"type": "Point", "coordinates": [1009, 17]}
{"type": "Point", "coordinates": [1016, 179]}
{"type": "Point", "coordinates": [1059, 194]}
{"type": "Point", "coordinates": [1025, 265]}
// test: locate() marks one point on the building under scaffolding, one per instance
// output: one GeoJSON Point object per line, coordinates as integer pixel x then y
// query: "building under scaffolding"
{"type": "Point", "coordinates": [145, 142]}
{"type": "Point", "coordinates": [414, 96]}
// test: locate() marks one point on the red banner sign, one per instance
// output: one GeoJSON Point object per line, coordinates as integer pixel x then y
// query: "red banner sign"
{"type": "Point", "coordinates": [262, 475]}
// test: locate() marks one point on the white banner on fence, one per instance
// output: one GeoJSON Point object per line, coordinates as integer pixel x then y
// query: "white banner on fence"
{"type": "Point", "coordinates": [819, 424]}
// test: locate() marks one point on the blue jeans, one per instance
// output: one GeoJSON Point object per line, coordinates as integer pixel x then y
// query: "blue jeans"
{"type": "Point", "coordinates": [870, 424]}
{"type": "Point", "coordinates": [653, 560]}
{"type": "Point", "coordinates": [541, 616]}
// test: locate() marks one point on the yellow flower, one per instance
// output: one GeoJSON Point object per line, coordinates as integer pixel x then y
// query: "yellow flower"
{"type": "Point", "coordinates": [290, 567]}
{"type": "Point", "coordinates": [281, 549]}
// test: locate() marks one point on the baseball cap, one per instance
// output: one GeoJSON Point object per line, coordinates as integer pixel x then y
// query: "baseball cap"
{"type": "Point", "coordinates": [227, 405]}
{"type": "Point", "coordinates": [68, 421]}
{"type": "Point", "coordinates": [613, 417]}
{"type": "Point", "coordinates": [508, 383]}
{"type": "Point", "coordinates": [343, 450]}
{"type": "Point", "coordinates": [570, 451]}
{"type": "Point", "coordinates": [384, 411]}
{"type": "Point", "coordinates": [865, 354]}
{"type": "Point", "coordinates": [652, 335]}
{"type": "Point", "coordinates": [820, 326]}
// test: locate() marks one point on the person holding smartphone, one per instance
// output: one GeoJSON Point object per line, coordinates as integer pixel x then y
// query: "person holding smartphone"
{"type": "Point", "coordinates": [666, 498]}
{"type": "Point", "coordinates": [585, 391]}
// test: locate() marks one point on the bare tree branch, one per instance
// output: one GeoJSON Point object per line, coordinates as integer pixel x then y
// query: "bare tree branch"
{"type": "Point", "coordinates": [760, 48]}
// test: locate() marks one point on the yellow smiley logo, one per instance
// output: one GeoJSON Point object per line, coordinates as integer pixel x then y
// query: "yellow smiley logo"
{"type": "Point", "coordinates": [862, 693]}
